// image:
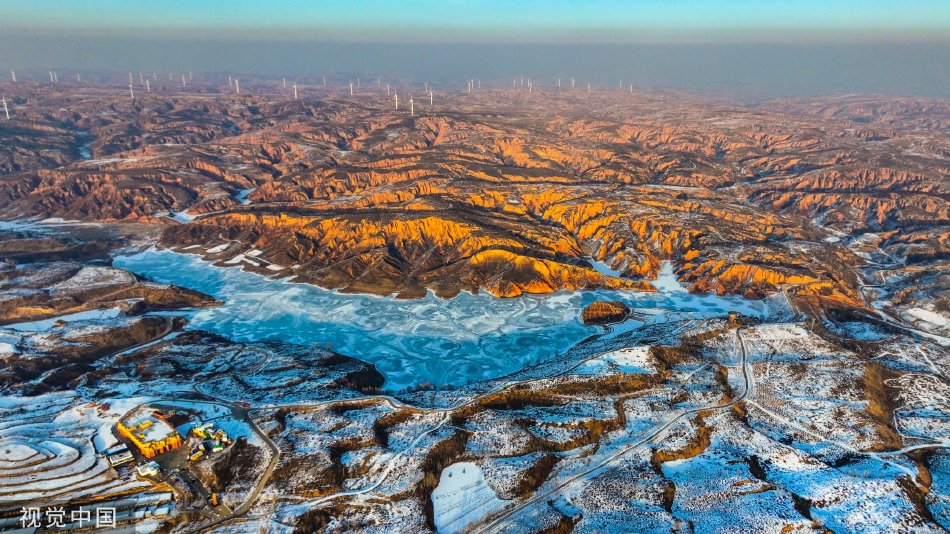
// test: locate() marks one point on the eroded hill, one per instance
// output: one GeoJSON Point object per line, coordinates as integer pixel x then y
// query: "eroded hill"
{"type": "Point", "coordinates": [503, 190]}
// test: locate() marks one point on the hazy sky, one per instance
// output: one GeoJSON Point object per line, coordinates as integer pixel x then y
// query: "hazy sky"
{"type": "Point", "coordinates": [748, 47]}
{"type": "Point", "coordinates": [424, 20]}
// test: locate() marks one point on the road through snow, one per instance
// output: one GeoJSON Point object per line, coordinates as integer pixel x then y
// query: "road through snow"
{"type": "Point", "coordinates": [651, 434]}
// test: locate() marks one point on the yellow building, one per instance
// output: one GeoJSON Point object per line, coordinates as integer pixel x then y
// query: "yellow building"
{"type": "Point", "coordinates": [150, 433]}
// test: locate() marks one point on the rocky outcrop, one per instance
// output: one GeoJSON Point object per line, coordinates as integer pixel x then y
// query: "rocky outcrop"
{"type": "Point", "coordinates": [605, 312]}
{"type": "Point", "coordinates": [360, 198]}
{"type": "Point", "coordinates": [39, 291]}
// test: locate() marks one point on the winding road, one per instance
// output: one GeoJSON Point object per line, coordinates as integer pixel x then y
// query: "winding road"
{"type": "Point", "coordinates": [651, 434]}
{"type": "Point", "coordinates": [393, 403]}
{"type": "Point", "coordinates": [244, 414]}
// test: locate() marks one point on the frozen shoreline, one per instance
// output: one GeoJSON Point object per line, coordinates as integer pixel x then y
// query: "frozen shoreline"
{"type": "Point", "coordinates": [465, 339]}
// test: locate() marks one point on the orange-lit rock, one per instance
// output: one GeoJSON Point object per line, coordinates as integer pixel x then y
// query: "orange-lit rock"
{"type": "Point", "coordinates": [605, 312]}
{"type": "Point", "coordinates": [362, 198]}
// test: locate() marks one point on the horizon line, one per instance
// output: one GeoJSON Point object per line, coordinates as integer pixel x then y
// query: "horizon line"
{"type": "Point", "coordinates": [457, 35]}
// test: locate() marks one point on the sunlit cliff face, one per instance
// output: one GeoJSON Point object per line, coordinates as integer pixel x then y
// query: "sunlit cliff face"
{"type": "Point", "coordinates": [505, 191]}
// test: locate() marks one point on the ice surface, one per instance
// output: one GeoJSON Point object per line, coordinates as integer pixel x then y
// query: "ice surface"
{"type": "Point", "coordinates": [464, 339]}
{"type": "Point", "coordinates": [243, 194]}
{"type": "Point", "coordinates": [14, 226]}
{"type": "Point", "coordinates": [183, 216]}
{"type": "Point", "coordinates": [603, 268]}
{"type": "Point", "coordinates": [666, 280]}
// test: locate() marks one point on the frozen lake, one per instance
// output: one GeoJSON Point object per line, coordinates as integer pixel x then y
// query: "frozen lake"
{"type": "Point", "coordinates": [468, 338]}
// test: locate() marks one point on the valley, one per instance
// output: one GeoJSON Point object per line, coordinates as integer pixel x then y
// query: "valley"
{"type": "Point", "coordinates": [509, 311]}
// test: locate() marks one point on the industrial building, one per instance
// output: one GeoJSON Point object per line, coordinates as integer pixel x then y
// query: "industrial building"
{"type": "Point", "coordinates": [150, 432]}
{"type": "Point", "coordinates": [210, 440]}
{"type": "Point", "coordinates": [118, 456]}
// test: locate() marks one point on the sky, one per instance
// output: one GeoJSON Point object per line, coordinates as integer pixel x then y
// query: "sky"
{"type": "Point", "coordinates": [753, 47]}
{"type": "Point", "coordinates": [497, 20]}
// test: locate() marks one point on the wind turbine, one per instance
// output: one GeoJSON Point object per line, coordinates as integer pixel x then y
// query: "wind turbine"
{"type": "Point", "coordinates": [285, 83]}
{"type": "Point", "coordinates": [412, 110]}
{"type": "Point", "coordinates": [55, 76]}
{"type": "Point", "coordinates": [427, 87]}
{"type": "Point", "coordinates": [141, 79]}
{"type": "Point", "coordinates": [5, 110]}
{"type": "Point", "coordinates": [588, 88]}
{"type": "Point", "coordinates": [230, 82]}
{"type": "Point", "coordinates": [387, 89]}
{"type": "Point", "coordinates": [295, 90]}
{"type": "Point", "coordinates": [183, 85]}
{"type": "Point", "coordinates": [130, 78]}
{"type": "Point", "coordinates": [78, 79]}
{"type": "Point", "coordinates": [479, 84]}
{"type": "Point", "coordinates": [430, 98]}
{"type": "Point", "coordinates": [148, 86]}
{"type": "Point", "coordinates": [324, 81]}
{"type": "Point", "coordinates": [189, 76]}
{"type": "Point", "coordinates": [131, 93]}
{"type": "Point", "coordinates": [397, 101]}
{"type": "Point", "coordinates": [572, 82]}
{"type": "Point", "coordinates": [237, 86]}
{"type": "Point", "coordinates": [50, 76]}
{"type": "Point", "coordinates": [13, 75]}
{"type": "Point", "coordinates": [351, 87]}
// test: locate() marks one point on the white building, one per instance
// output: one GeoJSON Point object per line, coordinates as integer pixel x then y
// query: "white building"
{"type": "Point", "coordinates": [150, 469]}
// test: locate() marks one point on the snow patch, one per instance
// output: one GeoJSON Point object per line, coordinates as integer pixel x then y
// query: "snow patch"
{"type": "Point", "coordinates": [462, 498]}
{"type": "Point", "coordinates": [45, 324]}
{"type": "Point", "coordinates": [929, 316]}
{"type": "Point", "coordinates": [636, 360]}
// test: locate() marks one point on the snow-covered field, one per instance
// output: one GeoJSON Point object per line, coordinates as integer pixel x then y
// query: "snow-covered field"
{"type": "Point", "coordinates": [672, 422]}
{"type": "Point", "coordinates": [931, 319]}
{"type": "Point", "coordinates": [626, 360]}
{"type": "Point", "coordinates": [45, 324]}
{"type": "Point", "coordinates": [50, 449]}
{"type": "Point", "coordinates": [462, 498]}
